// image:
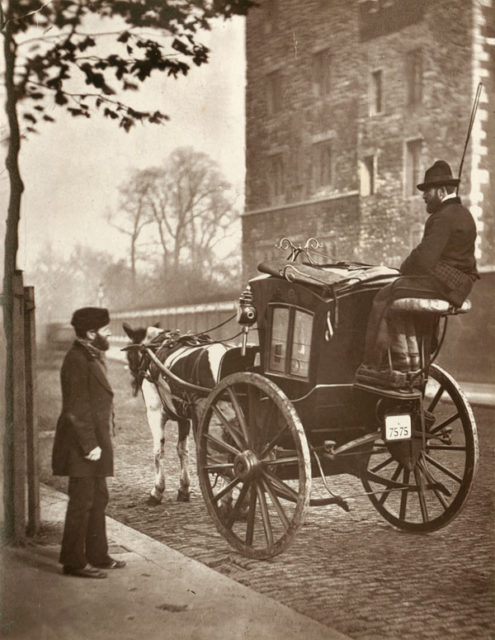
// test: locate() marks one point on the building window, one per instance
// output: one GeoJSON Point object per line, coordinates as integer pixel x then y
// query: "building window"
{"type": "Point", "coordinates": [367, 176]}
{"type": "Point", "coordinates": [271, 15]}
{"type": "Point", "coordinates": [414, 76]}
{"type": "Point", "coordinates": [321, 73]}
{"type": "Point", "coordinates": [322, 165]}
{"type": "Point", "coordinates": [376, 97]}
{"type": "Point", "coordinates": [413, 166]}
{"type": "Point", "coordinates": [274, 91]}
{"type": "Point", "coordinates": [276, 176]}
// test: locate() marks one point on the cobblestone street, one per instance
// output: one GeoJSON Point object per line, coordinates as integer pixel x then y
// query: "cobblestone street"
{"type": "Point", "coordinates": [351, 571]}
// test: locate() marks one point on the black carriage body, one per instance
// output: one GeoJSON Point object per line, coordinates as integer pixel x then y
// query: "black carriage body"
{"type": "Point", "coordinates": [311, 343]}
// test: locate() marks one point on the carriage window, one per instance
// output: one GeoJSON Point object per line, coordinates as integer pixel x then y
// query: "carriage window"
{"type": "Point", "coordinates": [301, 345]}
{"type": "Point", "coordinates": [278, 346]}
{"type": "Point", "coordinates": [290, 343]}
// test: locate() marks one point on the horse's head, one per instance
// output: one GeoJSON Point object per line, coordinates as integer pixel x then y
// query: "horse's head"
{"type": "Point", "coordinates": [137, 365]}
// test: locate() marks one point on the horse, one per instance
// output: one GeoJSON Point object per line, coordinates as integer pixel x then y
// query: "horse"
{"type": "Point", "coordinates": [194, 359]}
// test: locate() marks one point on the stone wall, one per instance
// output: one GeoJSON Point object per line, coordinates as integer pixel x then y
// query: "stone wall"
{"type": "Point", "coordinates": [384, 226]}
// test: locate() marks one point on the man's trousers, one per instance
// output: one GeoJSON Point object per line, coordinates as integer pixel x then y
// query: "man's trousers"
{"type": "Point", "coordinates": [85, 538]}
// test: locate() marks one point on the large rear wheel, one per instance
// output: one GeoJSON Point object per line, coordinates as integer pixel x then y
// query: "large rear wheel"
{"type": "Point", "coordinates": [253, 464]}
{"type": "Point", "coordinates": [429, 495]}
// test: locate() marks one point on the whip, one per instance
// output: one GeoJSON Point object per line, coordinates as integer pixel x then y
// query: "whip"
{"type": "Point", "coordinates": [471, 122]}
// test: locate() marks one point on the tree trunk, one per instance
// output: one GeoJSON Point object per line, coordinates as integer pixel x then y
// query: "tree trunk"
{"type": "Point", "coordinates": [11, 247]}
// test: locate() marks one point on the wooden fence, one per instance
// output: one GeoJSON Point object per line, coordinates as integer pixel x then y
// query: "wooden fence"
{"type": "Point", "coordinates": [21, 459]}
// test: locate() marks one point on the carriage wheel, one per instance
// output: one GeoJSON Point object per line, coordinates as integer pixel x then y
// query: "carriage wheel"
{"type": "Point", "coordinates": [429, 495]}
{"type": "Point", "coordinates": [253, 464]}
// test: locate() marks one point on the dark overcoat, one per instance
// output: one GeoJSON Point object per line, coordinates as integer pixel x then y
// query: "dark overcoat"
{"type": "Point", "coordinates": [86, 419]}
{"type": "Point", "coordinates": [446, 251]}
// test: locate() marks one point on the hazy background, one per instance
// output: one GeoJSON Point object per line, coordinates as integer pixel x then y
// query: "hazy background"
{"type": "Point", "coordinates": [73, 167]}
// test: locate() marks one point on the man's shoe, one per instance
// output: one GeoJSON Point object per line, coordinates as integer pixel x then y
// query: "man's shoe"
{"type": "Point", "coordinates": [85, 572]}
{"type": "Point", "coordinates": [111, 563]}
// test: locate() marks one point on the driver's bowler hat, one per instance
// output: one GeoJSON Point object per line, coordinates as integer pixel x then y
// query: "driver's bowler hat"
{"type": "Point", "coordinates": [438, 175]}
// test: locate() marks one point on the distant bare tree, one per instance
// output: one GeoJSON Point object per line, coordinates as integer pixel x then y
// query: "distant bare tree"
{"type": "Point", "coordinates": [191, 205]}
{"type": "Point", "coordinates": [134, 213]}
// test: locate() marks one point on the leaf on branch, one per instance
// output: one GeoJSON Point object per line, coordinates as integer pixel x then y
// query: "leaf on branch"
{"type": "Point", "coordinates": [48, 118]}
{"type": "Point", "coordinates": [110, 114]}
{"type": "Point", "coordinates": [126, 123]}
{"type": "Point", "coordinates": [39, 107]}
{"type": "Point", "coordinates": [60, 98]}
{"type": "Point", "coordinates": [30, 117]}
{"type": "Point", "coordinates": [36, 95]}
{"type": "Point", "coordinates": [87, 42]}
{"type": "Point", "coordinates": [124, 37]}
{"type": "Point", "coordinates": [129, 49]}
{"type": "Point", "coordinates": [130, 86]}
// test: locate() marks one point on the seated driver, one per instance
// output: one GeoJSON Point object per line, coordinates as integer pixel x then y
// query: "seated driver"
{"type": "Point", "coordinates": [441, 266]}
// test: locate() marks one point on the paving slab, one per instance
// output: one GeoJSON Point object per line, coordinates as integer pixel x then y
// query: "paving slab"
{"type": "Point", "coordinates": [160, 594]}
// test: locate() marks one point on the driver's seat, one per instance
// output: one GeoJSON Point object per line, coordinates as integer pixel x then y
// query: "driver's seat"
{"type": "Point", "coordinates": [429, 305]}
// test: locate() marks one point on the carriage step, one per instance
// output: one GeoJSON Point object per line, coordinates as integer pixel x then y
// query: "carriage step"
{"type": "Point", "coordinates": [402, 394]}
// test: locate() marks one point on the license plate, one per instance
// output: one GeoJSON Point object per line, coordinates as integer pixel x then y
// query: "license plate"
{"type": "Point", "coordinates": [398, 427]}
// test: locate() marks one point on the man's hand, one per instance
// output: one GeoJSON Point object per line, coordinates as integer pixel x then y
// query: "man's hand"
{"type": "Point", "coordinates": [94, 454]}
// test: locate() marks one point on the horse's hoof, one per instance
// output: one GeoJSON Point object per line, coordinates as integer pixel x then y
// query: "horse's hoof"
{"type": "Point", "coordinates": [152, 501]}
{"type": "Point", "coordinates": [183, 496]}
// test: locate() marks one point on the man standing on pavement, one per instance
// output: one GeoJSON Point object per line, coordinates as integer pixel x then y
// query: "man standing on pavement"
{"type": "Point", "coordinates": [441, 266]}
{"type": "Point", "coordinates": [82, 448]}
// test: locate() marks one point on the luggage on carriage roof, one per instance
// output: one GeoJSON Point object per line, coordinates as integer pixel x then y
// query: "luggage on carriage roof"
{"type": "Point", "coordinates": [335, 276]}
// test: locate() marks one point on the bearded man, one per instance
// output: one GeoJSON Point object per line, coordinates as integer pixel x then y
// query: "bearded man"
{"type": "Point", "coordinates": [82, 448]}
{"type": "Point", "coordinates": [442, 266]}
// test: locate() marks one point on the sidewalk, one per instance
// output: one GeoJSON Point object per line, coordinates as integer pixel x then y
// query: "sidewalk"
{"type": "Point", "coordinates": [161, 594]}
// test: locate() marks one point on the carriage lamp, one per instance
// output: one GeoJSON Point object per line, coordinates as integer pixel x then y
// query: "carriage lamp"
{"type": "Point", "coordinates": [246, 315]}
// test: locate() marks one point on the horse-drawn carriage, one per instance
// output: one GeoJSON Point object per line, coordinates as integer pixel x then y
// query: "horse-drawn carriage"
{"type": "Point", "coordinates": [287, 410]}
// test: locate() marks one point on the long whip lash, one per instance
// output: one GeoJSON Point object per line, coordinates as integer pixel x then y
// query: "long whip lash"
{"type": "Point", "coordinates": [471, 122]}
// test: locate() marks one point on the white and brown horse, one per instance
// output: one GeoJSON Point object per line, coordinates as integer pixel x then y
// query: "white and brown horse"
{"type": "Point", "coordinates": [193, 359]}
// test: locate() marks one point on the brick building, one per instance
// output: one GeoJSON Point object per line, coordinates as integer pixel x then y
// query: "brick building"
{"type": "Point", "coordinates": [347, 103]}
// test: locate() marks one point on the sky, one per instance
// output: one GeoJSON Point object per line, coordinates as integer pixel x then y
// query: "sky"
{"type": "Point", "coordinates": [73, 168]}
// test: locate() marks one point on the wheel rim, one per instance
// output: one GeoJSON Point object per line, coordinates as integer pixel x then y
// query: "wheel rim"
{"type": "Point", "coordinates": [428, 496]}
{"type": "Point", "coordinates": [253, 465]}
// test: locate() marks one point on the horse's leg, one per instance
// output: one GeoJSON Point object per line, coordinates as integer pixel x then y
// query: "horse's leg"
{"type": "Point", "coordinates": [184, 493]}
{"type": "Point", "coordinates": [156, 422]}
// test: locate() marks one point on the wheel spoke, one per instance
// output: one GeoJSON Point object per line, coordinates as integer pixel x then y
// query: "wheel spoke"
{"type": "Point", "coordinates": [446, 423]}
{"type": "Point", "coordinates": [238, 504]}
{"type": "Point", "coordinates": [233, 483]}
{"type": "Point", "coordinates": [276, 503]}
{"type": "Point", "coordinates": [446, 447]}
{"type": "Point", "coordinates": [220, 445]}
{"type": "Point", "coordinates": [404, 495]}
{"type": "Point", "coordinates": [229, 427]}
{"type": "Point", "coordinates": [421, 493]}
{"type": "Point", "coordinates": [218, 466]}
{"type": "Point", "coordinates": [394, 477]}
{"type": "Point", "coordinates": [436, 398]}
{"type": "Point", "coordinates": [251, 516]}
{"type": "Point", "coordinates": [432, 481]}
{"type": "Point", "coordinates": [265, 515]}
{"type": "Point", "coordinates": [383, 464]}
{"type": "Point", "coordinates": [240, 414]}
{"type": "Point", "coordinates": [281, 461]}
{"type": "Point", "coordinates": [280, 486]}
{"type": "Point", "coordinates": [273, 442]}
{"type": "Point", "coordinates": [443, 468]}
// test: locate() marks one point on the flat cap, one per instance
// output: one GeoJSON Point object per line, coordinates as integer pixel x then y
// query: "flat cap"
{"type": "Point", "coordinates": [90, 318]}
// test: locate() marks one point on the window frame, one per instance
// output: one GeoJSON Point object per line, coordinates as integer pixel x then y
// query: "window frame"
{"type": "Point", "coordinates": [292, 309]}
{"type": "Point", "coordinates": [369, 164]}
{"type": "Point", "coordinates": [321, 150]}
{"type": "Point", "coordinates": [274, 101]}
{"type": "Point", "coordinates": [376, 92]}
{"type": "Point", "coordinates": [412, 175]}
{"type": "Point", "coordinates": [414, 77]}
{"type": "Point", "coordinates": [322, 72]}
